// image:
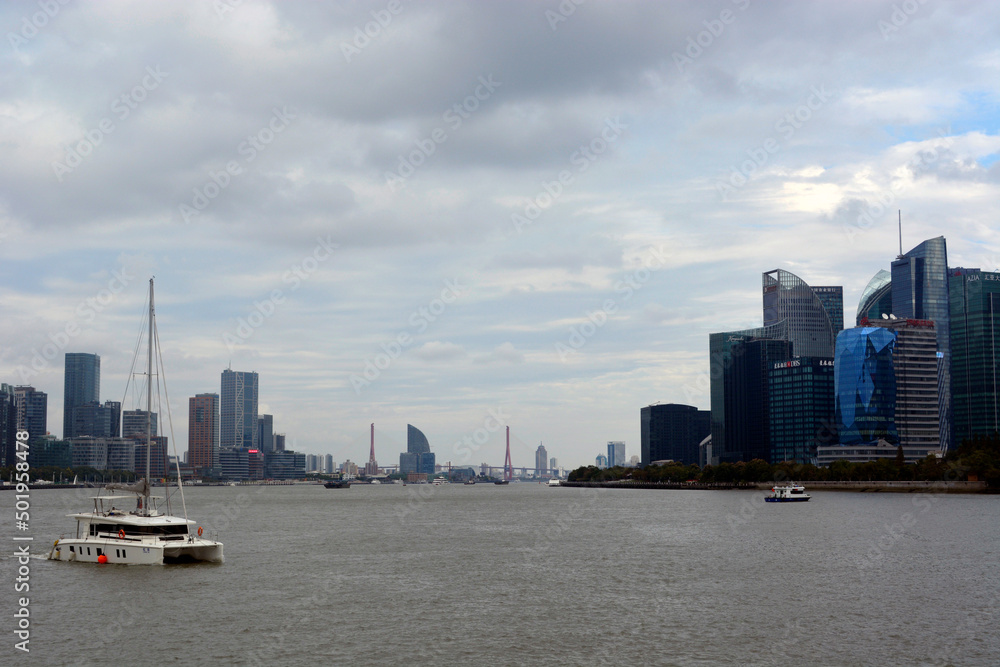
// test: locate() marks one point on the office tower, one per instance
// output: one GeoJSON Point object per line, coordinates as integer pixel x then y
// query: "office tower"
{"type": "Point", "coordinates": [616, 453]}
{"type": "Point", "coordinates": [279, 442]}
{"type": "Point", "coordinates": [920, 292]}
{"type": "Point", "coordinates": [418, 456]}
{"type": "Point", "coordinates": [49, 452]}
{"type": "Point", "coordinates": [328, 464]}
{"type": "Point", "coordinates": [8, 425]}
{"type": "Point", "coordinates": [748, 399]}
{"type": "Point", "coordinates": [800, 398]}
{"type": "Point", "coordinates": [975, 322]}
{"type": "Point", "coordinates": [832, 298]}
{"type": "Point", "coordinates": [672, 432]}
{"type": "Point", "coordinates": [787, 297]}
{"type": "Point", "coordinates": [876, 299]}
{"type": "Point", "coordinates": [95, 420]}
{"type": "Point", "coordinates": [238, 410]}
{"type": "Point", "coordinates": [134, 424]}
{"type": "Point", "coordinates": [235, 463]}
{"type": "Point", "coordinates": [312, 463]}
{"type": "Point", "coordinates": [602, 461]}
{"type": "Point", "coordinates": [265, 433]}
{"type": "Point", "coordinates": [541, 461]}
{"type": "Point", "coordinates": [159, 464]}
{"type": "Point", "coordinates": [285, 465]}
{"type": "Point", "coordinates": [554, 465]}
{"type": "Point", "coordinates": [32, 412]}
{"type": "Point", "coordinates": [724, 349]}
{"type": "Point", "coordinates": [886, 384]}
{"type": "Point", "coordinates": [81, 384]}
{"type": "Point", "coordinates": [203, 431]}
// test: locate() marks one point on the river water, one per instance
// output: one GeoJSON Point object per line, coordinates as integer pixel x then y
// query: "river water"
{"type": "Point", "coordinates": [527, 574]}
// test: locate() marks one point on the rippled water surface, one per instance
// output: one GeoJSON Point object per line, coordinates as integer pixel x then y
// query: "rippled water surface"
{"type": "Point", "coordinates": [526, 574]}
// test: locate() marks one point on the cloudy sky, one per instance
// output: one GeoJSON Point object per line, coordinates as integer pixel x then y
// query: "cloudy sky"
{"type": "Point", "coordinates": [440, 212]}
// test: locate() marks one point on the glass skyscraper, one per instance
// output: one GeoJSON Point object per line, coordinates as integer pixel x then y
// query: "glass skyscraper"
{"type": "Point", "coordinates": [238, 410]}
{"type": "Point", "coordinates": [724, 349]}
{"type": "Point", "coordinates": [832, 298]}
{"type": "Point", "coordinates": [81, 385]}
{"type": "Point", "coordinates": [418, 456]}
{"type": "Point", "coordinates": [920, 291]}
{"type": "Point", "coordinates": [801, 403]}
{"type": "Point", "coordinates": [975, 323]}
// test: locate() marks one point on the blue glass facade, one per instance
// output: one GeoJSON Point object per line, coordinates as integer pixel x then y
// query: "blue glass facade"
{"type": "Point", "coordinates": [865, 385]}
{"type": "Point", "coordinates": [81, 384]}
{"type": "Point", "coordinates": [418, 456]}
{"type": "Point", "coordinates": [238, 410]}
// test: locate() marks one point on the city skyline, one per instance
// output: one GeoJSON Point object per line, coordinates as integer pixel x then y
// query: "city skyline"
{"type": "Point", "coordinates": [545, 229]}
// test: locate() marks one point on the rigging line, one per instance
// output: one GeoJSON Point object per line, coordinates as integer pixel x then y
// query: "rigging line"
{"type": "Point", "coordinates": [135, 350]}
{"type": "Point", "coordinates": [170, 419]}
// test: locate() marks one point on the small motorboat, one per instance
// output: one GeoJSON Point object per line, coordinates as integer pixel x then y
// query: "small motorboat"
{"type": "Point", "coordinates": [787, 493]}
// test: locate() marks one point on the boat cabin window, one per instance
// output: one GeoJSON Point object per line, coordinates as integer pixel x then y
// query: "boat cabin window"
{"type": "Point", "coordinates": [138, 531]}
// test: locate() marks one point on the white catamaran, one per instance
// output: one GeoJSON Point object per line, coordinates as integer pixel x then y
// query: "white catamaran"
{"type": "Point", "coordinates": [129, 529]}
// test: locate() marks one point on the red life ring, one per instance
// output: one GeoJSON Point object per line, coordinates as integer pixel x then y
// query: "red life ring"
{"type": "Point", "coordinates": [121, 533]}
{"type": "Point", "coordinates": [199, 531]}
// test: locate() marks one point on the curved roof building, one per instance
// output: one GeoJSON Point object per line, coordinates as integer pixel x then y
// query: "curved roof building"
{"type": "Point", "coordinates": [876, 300]}
{"type": "Point", "coordinates": [416, 441]}
{"type": "Point", "coordinates": [788, 297]}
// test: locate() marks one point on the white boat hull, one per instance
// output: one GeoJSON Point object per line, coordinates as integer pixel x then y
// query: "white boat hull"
{"type": "Point", "coordinates": [136, 552]}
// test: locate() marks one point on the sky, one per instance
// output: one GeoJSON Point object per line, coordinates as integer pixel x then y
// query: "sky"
{"type": "Point", "coordinates": [468, 215]}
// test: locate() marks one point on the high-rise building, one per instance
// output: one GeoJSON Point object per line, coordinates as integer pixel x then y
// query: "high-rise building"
{"type": "Point", "coordinates": [541, 461]}
{"type": "Point", "coordinates": [920, 292]}
{"type": "Point", "coordinates": [748, 399]}
{"type": "Point", "coordinates": [832, 298]}
{"type": "Point", "coordinates": [328, 464]}
{"type": "Point", "coordinates": [158, 460]}
{"type": "Point", "coordinates": [32, 412]}
{"type": "Point", "coordinates": [616, 453]}
{"type": "Point", "coordinates": [265, 433]}
{"type": "Point", "coordinates": [279, 443]}
{"type": "Point", "coordinates": [312, 463]}
{"type": "Point", "coordinates": [554, 466]}
{"type": "Point", "coordinates": [96, 420]}
{"type": "Point", "coordinates": [134, 424]}
{"type": "Point", "coordinates": [724, 350]}
{"type": "Point", "coordinates": [800, 406]}
{"type": "Point", "coordinates": [8, 425]}
{"type": "Point", "coordinates": [602, 461]}
{"type": "Point", "coordinates": [886, 388]}
{"type": "Point", "coordinates": [876, 299]}
{"type": "Point", "coordinates": [203, 431]}
{"type": "Point", "coordinates": [81, 384]}
{"type": "Point", "coordinates": [418, 456]}
{"type": "Point", "coordinates": [975, 323]}
{"type": "Point", "coordinates": [787, 297]}
{"type": "Point", "coordinates": [672, 432]}
{"type": "Point", "coordinates": [238, 410]}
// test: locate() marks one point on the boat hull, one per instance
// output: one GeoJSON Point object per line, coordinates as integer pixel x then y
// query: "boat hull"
{"type": "Point", "coordinates": [137, 552]}
{"type": "Point", "coordinates": [785, 500]}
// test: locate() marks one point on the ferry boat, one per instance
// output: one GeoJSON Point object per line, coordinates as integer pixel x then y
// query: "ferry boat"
{"type": "Point", "coordinates": [338, 484]}
{"type": "Point", "coordinates": [554, 482]}
{"type": "Point", "coordinates": [438, 481]}
{"type": "Point", "coordinates": [788, 493]}
{"type": "Point", "coordinates": [140, 535]}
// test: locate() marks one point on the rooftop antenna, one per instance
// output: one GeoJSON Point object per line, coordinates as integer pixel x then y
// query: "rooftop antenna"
{"type": "Point", "coordinates": [900, 232]}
